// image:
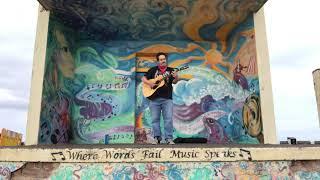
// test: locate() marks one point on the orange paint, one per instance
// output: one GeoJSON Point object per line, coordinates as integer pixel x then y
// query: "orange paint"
{"type": "Point", "coordinates": [139, 123]}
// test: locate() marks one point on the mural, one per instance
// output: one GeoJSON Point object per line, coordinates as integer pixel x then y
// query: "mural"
{"type": "Point", "coordinates": [92, 87]}
{"type": "Point", "coordinates": [86, 95]}
{"type": "Point", "coordinates": [55, 118]}
{"type": "Point", "coordinates": [203, 170]}
{"type": "Point", "coordinates": [104, 107]}
{"type": "Point", "coordinates": [154, 20]}
{"type": "Point", "coordinates": [6, 168]}
{"type": "Point", "coordinates": [217, 97]}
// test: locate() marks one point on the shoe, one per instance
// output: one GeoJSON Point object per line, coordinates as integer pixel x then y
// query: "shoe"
{"type": "Point", "coordinates": [155, 141]}
{"type": "Point", "coordinates": [170, 141]}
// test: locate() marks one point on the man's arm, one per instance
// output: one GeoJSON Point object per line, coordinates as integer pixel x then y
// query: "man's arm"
{"type": "Point", "coordinates": [146, 81]}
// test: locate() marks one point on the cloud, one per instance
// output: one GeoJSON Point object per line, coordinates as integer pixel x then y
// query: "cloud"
{"type": "Point", "coordinates": [8, 100]}
{"type": "Point", "coordinates": [296, 58]}
{"type": "Point", "coordinates": [17, 36]}
{"type": "Point", "coordinates": [293, 39]}
{"type": "Point", "coordinates": [18, 105]}
{"type": "Point", "coordinates": [18, 18]}
{"type": "Point", "coordinates": [296, 113]}
{"type": "Point", "coordinates": [288, 81]}
{"type": "Point", "coordinates": [14, 120]}
{"type": "Point", "coordinates": [291, 24]}
{"type": "Point", "coordinates": [15, 77]}
{"type": "Point", "coordinates": [305, 134]}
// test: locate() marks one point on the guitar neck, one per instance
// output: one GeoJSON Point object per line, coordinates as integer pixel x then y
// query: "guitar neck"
{"type": "Point", "coordinates": [177, 70]}
{"type": "Point", "coordinates": [169, 75]}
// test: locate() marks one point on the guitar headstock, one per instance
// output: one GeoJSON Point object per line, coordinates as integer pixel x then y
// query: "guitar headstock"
{"type": "Point", "coordinates": [182, 68]}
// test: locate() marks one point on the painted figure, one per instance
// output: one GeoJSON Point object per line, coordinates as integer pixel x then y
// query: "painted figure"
{"type": "Point", "coordinates": [238, 77]}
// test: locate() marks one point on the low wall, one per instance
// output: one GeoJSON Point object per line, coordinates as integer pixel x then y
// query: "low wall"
{"type": "Point", "coordinates": [161, 162]}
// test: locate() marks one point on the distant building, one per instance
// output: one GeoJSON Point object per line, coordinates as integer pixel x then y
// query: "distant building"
{"type": "Point", "coordinates": [9, 138]}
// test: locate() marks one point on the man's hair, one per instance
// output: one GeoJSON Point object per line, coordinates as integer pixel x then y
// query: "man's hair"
{"type": "Point", "coordinates": [161, 53]}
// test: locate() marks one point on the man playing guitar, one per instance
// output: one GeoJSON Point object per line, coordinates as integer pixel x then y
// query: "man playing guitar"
{"type": "Point", "coordinates": [161, 99]}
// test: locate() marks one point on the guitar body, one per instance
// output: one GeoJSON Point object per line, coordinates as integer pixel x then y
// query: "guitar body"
{"type": "Point", "coordinates": [147, 91]}
{"type": "Point", "coordinates": [159, 81]}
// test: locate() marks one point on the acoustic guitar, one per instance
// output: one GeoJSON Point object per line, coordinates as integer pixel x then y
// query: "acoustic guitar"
{"type": "Point", "coordinates": [147, 91]}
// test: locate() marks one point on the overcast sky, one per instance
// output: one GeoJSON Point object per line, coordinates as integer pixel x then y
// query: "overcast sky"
{"type": "Point", "coordinates": [293, 31]}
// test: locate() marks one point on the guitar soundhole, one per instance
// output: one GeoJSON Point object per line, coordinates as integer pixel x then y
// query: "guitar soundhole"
{"type": "Point", "coordinates": [156, 84]}
{"type": "Point", "coordinates": [154, 87]}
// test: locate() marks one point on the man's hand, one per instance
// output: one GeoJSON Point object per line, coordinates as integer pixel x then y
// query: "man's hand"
{"type": "Point", "coordinates": [174, 74]}
{"type": "Point", "coordinates": [151, 85]}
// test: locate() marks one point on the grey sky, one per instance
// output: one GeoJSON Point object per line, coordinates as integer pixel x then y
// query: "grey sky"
{"type": "Point", "coordinates": [294, 47]}
{"type": "Point", "coordinates": [17, 35]}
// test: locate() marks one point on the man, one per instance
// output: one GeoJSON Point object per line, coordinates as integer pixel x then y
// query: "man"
{"type": "Point", "coordinates": [161, 100]}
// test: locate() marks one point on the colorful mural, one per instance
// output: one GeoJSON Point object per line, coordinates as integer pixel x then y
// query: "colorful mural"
{"type": "Point", "coordinates": [55, 118]}
{"type": "Point", "coordinates": [104, 107]}
{"type": "Point", "coordinates": [86, 95]}
{"type": "Point", "coordinates": [217, 97]}
{"type": "Point", "coordinates": [92, 87]}
{"type": "Point", "coordinates": [6, 168]}
{"type": "Point", "coordinates": [202, 170]}
{"type": "Point", "coordinates": [155, 20]}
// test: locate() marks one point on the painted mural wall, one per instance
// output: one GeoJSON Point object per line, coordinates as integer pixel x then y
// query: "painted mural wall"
{"type": "Point", "coordinates": [88, 94]}
{"type": "Point", "coordinates": [104, 101]}
{"type": "Point", "coordinates": [6, 168]}
{"type": "Point", "coordinates": [55, 118]}
{"type": "Point", "coordinates": [92, 87]}
{"type": "Point", "coordinates": [218, 95]}
{"type": "Point", "coordinates": [204, 170]}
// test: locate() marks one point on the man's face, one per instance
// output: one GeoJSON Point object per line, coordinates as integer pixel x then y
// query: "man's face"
{"type": "Point", "coordinates": [162, 60]}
